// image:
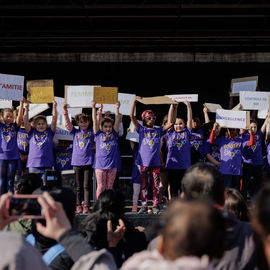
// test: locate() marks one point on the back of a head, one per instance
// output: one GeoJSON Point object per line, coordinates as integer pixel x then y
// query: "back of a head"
{"type": "Point", "coordinates": [236, 203]}
{"type": "Point", "coordinates": [193, 228]}
{"type": "Point", "coordinates": [27, 183]}
{"type": "Point", "coordinates": [203, 180]}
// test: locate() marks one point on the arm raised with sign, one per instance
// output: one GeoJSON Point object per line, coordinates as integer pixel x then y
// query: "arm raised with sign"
{"type": "Point", "coordinates": [267, 120]}
{"type": "Point", "coordinates": [189, 115]}
{"type": "Point", "coordinates": [20, 112]}
{"type": "Point", "coordinates": [132, 113]}
{"type": "Point", "coordinates": [26, 123]}
{"type": "Point", "coordinates": [94, 117]}
{"type": "Point", "coordinates": [171, 113]}
{"type": "Point", "coordinates": [215, 132]}
{"type": "Point", "coordinates": [54, 118]}
{"type": "Point", "coordinates": [205, 113]}
{"type": "Point", "coordinates": [117, 117]}
{"type": "Point", "coordinates": [69, 125]}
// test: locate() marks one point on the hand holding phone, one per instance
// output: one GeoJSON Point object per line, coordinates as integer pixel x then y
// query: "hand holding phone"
{"type": "Point", "coordinates": [24, 206]}
{"type": "Point", "coordinates": [5, 219]}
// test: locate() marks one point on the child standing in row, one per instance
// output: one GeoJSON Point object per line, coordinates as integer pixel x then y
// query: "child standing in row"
{"type": "Point", "coordinates": [9, 152]}
{"type": "Point", "coordinates": [82, 157]}
{"type": "Point", "coordinates": [178, 145]}
{"type": "Point", "coordinates": [40, 156]}
{"type": "Point", "coordinates": [107, 154]}
{"type": "Point", "coordinates": [149, 153]}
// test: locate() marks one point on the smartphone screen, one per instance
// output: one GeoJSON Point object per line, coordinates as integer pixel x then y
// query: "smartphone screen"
{"type": "Point", "coordinates": [25, 206]}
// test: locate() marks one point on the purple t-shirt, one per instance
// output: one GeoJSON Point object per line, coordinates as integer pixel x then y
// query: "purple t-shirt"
{"type": "Point", "coordinates": [196, 141]}
{"type": "Point", "coordinates": [63, 158]}
{"type": "Point", "coordinates": [212, 149]}
{"type": "Point", "coordinates": [149, 146]}
{"type": "Point", "coordinates": [106, 150]}
{"type": "Point", "coordinates": [9, 148]}
{"type": "Point", "coordinates": [178, 145]}
{"type": "Point", "coordinates": [253, 154]}
{"type": "Point", "coordinates": [231, 155]}
{"type": "Point", "coordinates": [23, 141]}
{"type": "Point", "coordinates": [267, 158]}
{"type": "Point", "coordinates": [40, 148]}
{"type": "Point", "coordinates": [83, 147]}
{"type": "Point", "coordinates": [135, 168]}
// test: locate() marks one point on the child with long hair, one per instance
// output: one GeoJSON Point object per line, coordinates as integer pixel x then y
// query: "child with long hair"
{"type": "Point", "coordinates": [107, 151]}
{"type": "Point", "coordinates": [82, 157]}
{"type": "Point", "coordinates": [178, 145]}
{"type": "Point", "coordinates": [149, 153]}
{"type": "Point", "coordinates": [253, 159]}
{"type": "Point", "coordinates": [9, 152]}
{"type": "Point", "coordinates": [41, 135]}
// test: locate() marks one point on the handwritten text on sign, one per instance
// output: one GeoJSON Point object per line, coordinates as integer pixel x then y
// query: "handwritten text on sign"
{"type": "Point", "coordinates": [254, 100]}
{"type": "Point", "coordinates": [237, 87]}
{"type": "Point", "coordinates": [181, 98]}
{"type": "Point", "coordinates": [11, 87]}
{"type": "Point", "coordinates": [125, 100]}
{"type": "Point", "coordinates": [79, 96]}
{"type": "Point", "coordinates": [105, 95]}
{"type": "Point", "coordinates": [231, 119]}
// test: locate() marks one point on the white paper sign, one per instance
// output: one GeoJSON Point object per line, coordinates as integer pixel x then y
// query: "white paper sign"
{"type": "Point", "coordinates": [212, 107]}
{"type": "Point", "coordinates": [71, 111]}
{"type": "Point", "coordinates": [254, 100]}
{"type": "Point", "coordinates": [126, 101]}
{"type": "Point", "coordinates": [237, 87]}
{"type": "Point", "coordinates": [231, 119]}
{"type": "Point", "coordinates": [4, 103]}
{"type": "Point", "coordinates": [62, 134]}
{"type": "Point", "coordinates": [11, 87]}
{"type": "Point", "coordinates": [79, 96]}
{"type": "Point", "coordinates": [262, 114]}
{"type": "Point", "coordinates": [133, 135]}
{"type": "Point", "coordinates": [37, 108]}
{"type": "Point", "coordinates": [187, 97]}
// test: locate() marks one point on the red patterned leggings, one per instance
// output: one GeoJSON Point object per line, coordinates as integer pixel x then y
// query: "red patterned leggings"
{"type": "Point", "coordinates": [154, 173]}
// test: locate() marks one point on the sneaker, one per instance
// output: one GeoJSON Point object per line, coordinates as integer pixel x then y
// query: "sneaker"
{"type": "Point", "coordinates": [143, 210]}
{"type": "Point", "coordinates": [86, 209]}
{"type": "Point", "coordinates": [155, 210]}
{"type": "Point", "coordinates": [134, 208]}
{"type": "Point", "coordinates": [79, 209]}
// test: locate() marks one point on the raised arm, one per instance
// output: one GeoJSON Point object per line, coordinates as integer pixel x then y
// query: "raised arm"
{"type": "Point", "coordinates": [20, 113]}
{"type": "Point", "coordinates": [26, 123]}
{"type": "Point", "coordinates": [205, 113]}
{"type": "Point", "coordinates": [266, 121]}
{"type": "Point", "coordinates": [94, 117]}
{"type": "Point", "coordinates": [54, 118]}
{"type": "Point", "coordinates": [99, 114]}
{"type": "Point", "coordinates": [189, 115]}
{"type": "Point", "coordinates": [68, 123]}
{"type": "Point", "coordinates": [132, 115]}
{"type": "Point", "coordinates": [117, 117]}
{"type": "Point", "coordinates": [215, 132]}
{"type": "Point", "coordinates": [171, 113]}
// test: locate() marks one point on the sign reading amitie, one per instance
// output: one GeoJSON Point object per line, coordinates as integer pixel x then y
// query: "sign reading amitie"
{"type": "Point", "coordinates": [105, 95]}
{"type": "Point", "coordinates": [187, 97]}
{"type": "Point", "coordinates": [125, 100]}
{"type": "Point", "coordinates": [11, 87]}
{"type": "Point", "coordinates": [254, 100]}
{"type": "Point", "coordinates": [232, 119]}
{"type": "Point", "coordinates": [40, 91]}
{"type": "Point", "coordinates": [79, 96]}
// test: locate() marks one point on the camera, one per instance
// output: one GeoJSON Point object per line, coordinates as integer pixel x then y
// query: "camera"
{"type": "Point", "coordinates": [53, 178]}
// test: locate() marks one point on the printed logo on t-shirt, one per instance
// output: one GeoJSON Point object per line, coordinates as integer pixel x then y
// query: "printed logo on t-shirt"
{"type": "Point", "coordinates": [39, 140]}
{"type": "Point", "coordinates": [227, 152]}
{"type": "Point", "coordinates": [107, 146]}
{"type": "Point", "coordinates": [7, 138]}
{"type": "Point", "coordinates": [151, 138]}
{"type": "Point", "coordinates": [8, 133]}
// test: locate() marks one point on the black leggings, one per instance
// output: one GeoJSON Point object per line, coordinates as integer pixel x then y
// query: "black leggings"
{"type": "Point", "coordinates": [175, 181]}
{"type": "Point", "coordinates": [83, 176]}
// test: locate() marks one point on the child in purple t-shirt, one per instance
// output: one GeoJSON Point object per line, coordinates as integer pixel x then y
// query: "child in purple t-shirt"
{"type": "Point", "coordinates": [107, 151]}
{"type": "Point", "coordinates": [149, 153]}
{"type": "Point", "coordinates": [9, 152]}
{"type": "Point", "coordinates": [231, 150]}
{"type": "Point", "coordinates": [178, 144]}
{"type": "Point", "coordinates": [82, 157]}
{"type": "Point", "coordinates": [253, 159]}
{"type": "Point", "coordinates": [40, 156]}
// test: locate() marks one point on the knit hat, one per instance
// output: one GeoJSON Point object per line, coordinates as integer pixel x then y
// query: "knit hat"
{"type": "Point", "coordinates": [147, 113]}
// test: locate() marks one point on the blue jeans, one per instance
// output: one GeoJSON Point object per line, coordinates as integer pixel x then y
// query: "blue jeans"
{"type": "Point", "coordinates": [7, 175]}
{"type": "Point", "coordinates": [232, 181]}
